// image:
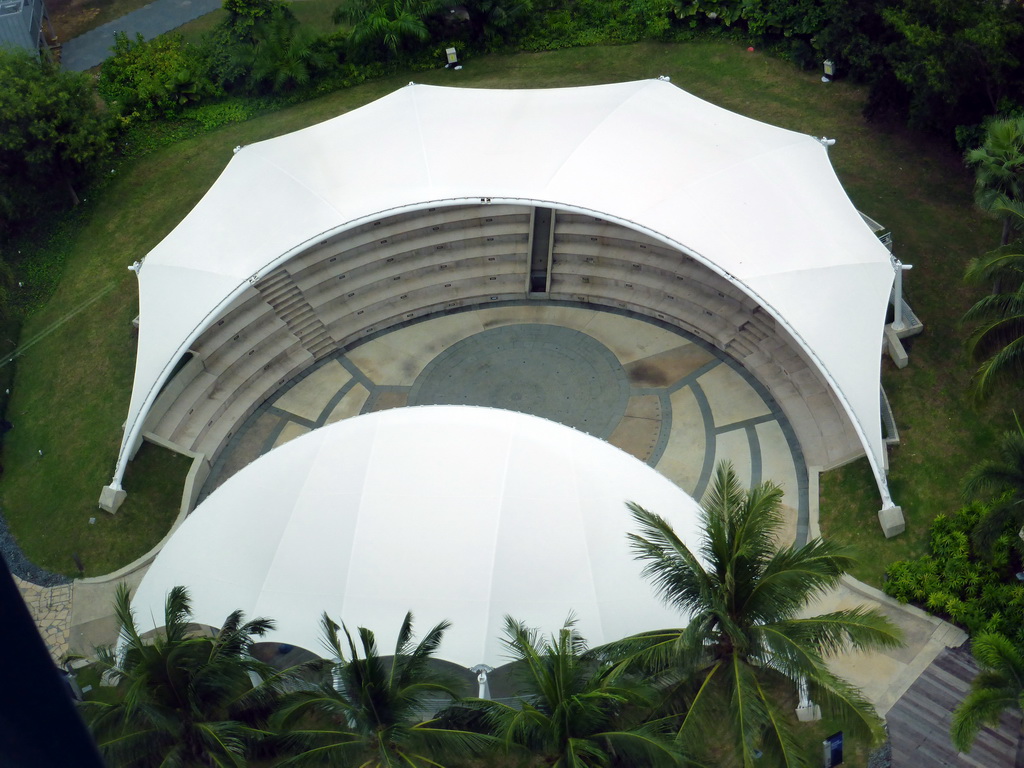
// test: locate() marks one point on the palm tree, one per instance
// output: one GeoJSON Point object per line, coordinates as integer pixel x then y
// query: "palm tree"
{"type": "Point", "coordinates": [368, 711]}
{"type": "Point", "coordinates": [392, 25]}
{"type": "Point", "coordinates": [1001, 479]}
{"type": "Point", "coordinates": [184, 700]}
{"type": "Point", "coordinates": [576, 711]}
{"type": "Point", "coordinates": [745, 599]}
{"type": "Point", "coordinates": [998, 338]}
{"type": "Point", "coordinates": [999, 169]}
{"type": "Point", "coordinates": [284, 56]}
{"type": "Point", "coordinates": [998, 687]}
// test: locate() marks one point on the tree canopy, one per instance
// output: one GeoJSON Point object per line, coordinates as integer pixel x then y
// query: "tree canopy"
{"type": "Point", "coordinates": [996, 339]}
{"type": "Point", "coordinates": [368, 709]}
{"type": "Point", "coordinates": [577, 710]}
{"type": "Point", "coordinates": [53, 132]}
{"type": "Point", "coordinates": [183, 698]}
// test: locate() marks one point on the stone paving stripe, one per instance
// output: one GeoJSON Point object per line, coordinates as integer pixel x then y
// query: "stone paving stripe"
{"type": "Point", "coordinates": [707, 467]}
{"type": "Point", "coordinates": [755, 456]}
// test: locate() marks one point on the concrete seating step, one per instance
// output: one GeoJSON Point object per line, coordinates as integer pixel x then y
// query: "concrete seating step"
{"type": "Point", "coordinates": [261, 384]}
{"type": "Point", "coordinates": [253, 342]}
{"type": "Point", "coordinates": [241, 319]}
{"type": "Point", "coordinates": [357, 270]}
{"type": "Point", "coordinates": [348, 325]}
{"type": "Point", "coordinates": [183, 405]}
{"type": "Point", "coordinates": [360, 248]}
{"type": "Point", "coordinates": [410, 285]}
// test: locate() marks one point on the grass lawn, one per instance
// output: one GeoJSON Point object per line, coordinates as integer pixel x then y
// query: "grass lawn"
{"type": "Point", "coordinates": [71, 389]}
{"type": "Point", "coordinates": [924, 197]}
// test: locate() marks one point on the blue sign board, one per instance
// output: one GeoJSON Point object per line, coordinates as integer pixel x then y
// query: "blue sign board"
{"type": "Point", "coordinates": [832, 747]}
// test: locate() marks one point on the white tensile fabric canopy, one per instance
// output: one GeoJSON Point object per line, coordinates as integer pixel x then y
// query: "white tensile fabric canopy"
{"type": "Point", "coordinates": [755, 203]}
{"type": "Point", "coordinates": [452, 512]}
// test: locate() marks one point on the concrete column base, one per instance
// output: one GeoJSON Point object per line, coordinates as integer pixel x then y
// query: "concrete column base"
{"type": "Point", "coordinates": [892, 522]}
{"type": "Point", "coordinates": [895, 348]}
{"type": "Point", "coordinates": [112, 498]}
{"type": "Point", "coordinates": [809, 713]}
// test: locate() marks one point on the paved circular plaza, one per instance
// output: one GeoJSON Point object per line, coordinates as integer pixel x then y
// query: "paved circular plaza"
{"type": "Point", "coordinates": [655, 392]}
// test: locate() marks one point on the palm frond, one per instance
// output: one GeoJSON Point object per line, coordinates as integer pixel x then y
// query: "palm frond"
{"type": "Point", "coordinates": [844, 702]}
{"type": "Point", "coordinates": [1003, 263]}
{"type": "Point", "coordinates": [128, 632]}
{"type": "Point", "coordinates": [1005, 512]}
{"type": "Point", "coordinates": [792, 576]}
{"type": "Point", "coordinates": [415, 658]}
{"type": "Point", "coordinates": [859, 629]}
{"type": "Point", "coordinates": [223, 743]}
{"type": "Point", "coordinates": [997, 476]}
{"type": "Point", "coordinates": [676, 573]}
{"type": "Point", "coordinates": [329, 637]}
{"type": "Point", "coordinates": [1013, 208]}
{"type": "Point", "coordinates": [778, 741]}
{"type": "Point", "coordinates": [981, 707]}
{"type": "Point", "coordinates": [177, 614]}
{"type": "Point", "coordinates": [995, 652]}
{"type": "Point", "coordinates": [1007, 361]}
{"type": "Point", "coordinates": [695, 721]}
{"type": "Point", "coordinates": [452, 743]}
{"type": "Point", "coordinates": [747, 707]}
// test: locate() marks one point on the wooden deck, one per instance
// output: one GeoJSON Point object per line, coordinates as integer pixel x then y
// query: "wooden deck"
{"type": "Point", "coordinates": [919, 722]}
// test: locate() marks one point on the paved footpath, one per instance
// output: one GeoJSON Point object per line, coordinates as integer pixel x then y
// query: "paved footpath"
{"type": "Point", "coordinates": [91, 49]}
{"type": "Point", "coordinates": [51, 610]}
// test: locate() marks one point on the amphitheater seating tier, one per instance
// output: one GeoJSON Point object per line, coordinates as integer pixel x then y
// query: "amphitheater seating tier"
{"type": "Point", "coordinates": [408, 266]}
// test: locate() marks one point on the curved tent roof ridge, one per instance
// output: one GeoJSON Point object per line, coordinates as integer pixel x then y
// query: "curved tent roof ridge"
{"type": "Point", "coordinates": [719, 186]}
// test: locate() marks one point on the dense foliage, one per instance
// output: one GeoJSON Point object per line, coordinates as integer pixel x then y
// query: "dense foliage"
{"type": "Point", "coordinates": [183, 698]}
{"type": "Point", "coordinates": [154, 78]}
{"type": "Point", "coordinates": [975, 589]}
{"type": "Point", "coordinates": [940, 65]}
{"type": "Point", "coordinates": [53, 134]}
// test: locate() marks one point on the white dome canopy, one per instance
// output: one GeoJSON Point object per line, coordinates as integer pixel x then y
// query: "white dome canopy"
{"type": "Point", "coordinates": [452, 512]}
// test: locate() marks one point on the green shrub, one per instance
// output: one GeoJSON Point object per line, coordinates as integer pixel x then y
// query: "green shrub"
{"type": "Point", "coordinates": [154, 78]}
{"type": "Point", "coordinates": [212, 116]}
{"type": "Point", "coordinates": [596, 22]}
{"type": "Point", "coordinates": [979, 593]}
{"type": "Point", "coordinates": [701, 12]}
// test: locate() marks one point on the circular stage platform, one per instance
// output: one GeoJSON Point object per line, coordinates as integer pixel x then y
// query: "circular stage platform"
{"type": "Point", "coordinates": [663, 396]}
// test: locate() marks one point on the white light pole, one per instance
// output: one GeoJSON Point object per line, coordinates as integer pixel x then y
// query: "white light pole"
{"type": "Point", "coordinates": [484, 688]}
{"type": "Point", "coordinates": [897, 320]}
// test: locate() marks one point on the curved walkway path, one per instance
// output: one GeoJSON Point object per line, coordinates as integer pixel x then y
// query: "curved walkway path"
{"type": "Point", "coordinates": [93, 48]}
